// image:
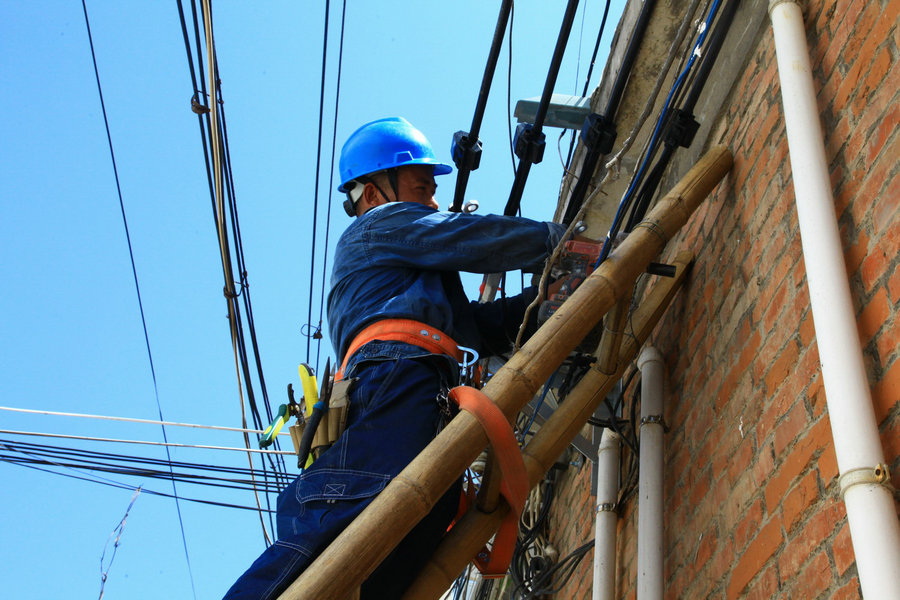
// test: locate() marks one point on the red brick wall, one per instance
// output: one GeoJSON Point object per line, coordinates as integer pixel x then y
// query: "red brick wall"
{"type": "Point", "coordinates": [751, 479]}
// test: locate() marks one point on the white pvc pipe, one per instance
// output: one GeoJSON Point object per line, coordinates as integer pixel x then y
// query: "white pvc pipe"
{"type": "Point", "coordinates": [650, 479]}
{"type": "Point", "coordinates": [605, 524]}
{"type": "Point", "coordinates": [874, 528]}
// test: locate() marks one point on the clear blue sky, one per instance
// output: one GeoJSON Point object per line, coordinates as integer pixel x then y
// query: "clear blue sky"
{"type": "Point", "coordinates": [70, 327]}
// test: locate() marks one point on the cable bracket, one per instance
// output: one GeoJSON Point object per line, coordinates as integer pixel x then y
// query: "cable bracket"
{"type": "Point", "coordinates": [598, 133]}
{"type": "Point", "coordinates": [466, 153]}
{"type": "Point", "coordinates": [529, 144]}
{"type": "Point", "coordinates": [878, 475]}
{"type": "Point", "coordinates": [681, 129]}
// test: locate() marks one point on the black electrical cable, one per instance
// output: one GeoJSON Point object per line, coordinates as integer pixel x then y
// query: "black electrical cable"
{"type": "Point", "coordinates": [566, 566]}
{"type": "Point", "coordinates": [136, 283]}
{"type": "Point", "coordinates": [689, 127]}
{"type": "Point", "coordinates": [684, 113]}
{"type": "Point", "coordinates": [276, 463]}
{"type": "Point", "coordinates": [337, 98]}
{"type": "Point", "coordinates": [524, 572]}
{"type": "Point", "coordinates": [467, 146]}
{"type": "Point", "coordinates": [315, 215]}
{"type": "Point", "coordinates": [587, 80]}
{"type": "Point", "coordinates": [238, 327]}
{"type": "Point", "coordinates": [105, 460]}
{"type": "Point", "coordinates": [512, 153]}
{"type": "Point", "coordinates": [604, 121]}
{"type": "Point", "coordinates": [530, 139]}
{"type": "Point", "coordinates": [144, 490]}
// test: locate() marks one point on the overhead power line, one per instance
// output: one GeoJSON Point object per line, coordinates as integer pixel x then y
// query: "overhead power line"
{"type": "Point", "coordinates": [137, 286]}
{"type": "Point", "coordinates": [142, 442]}
{"type": "Point", "coordinates": [130, 420]}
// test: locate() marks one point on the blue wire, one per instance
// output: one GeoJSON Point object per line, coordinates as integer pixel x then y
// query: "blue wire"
{"type": "Point", "coordinates": [679, 81]}
{"type": "Point", "coordinates": [537, 407]}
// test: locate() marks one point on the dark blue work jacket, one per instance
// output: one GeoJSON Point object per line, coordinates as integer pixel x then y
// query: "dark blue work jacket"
{"type": "Point", "coordinates": [402, 260]}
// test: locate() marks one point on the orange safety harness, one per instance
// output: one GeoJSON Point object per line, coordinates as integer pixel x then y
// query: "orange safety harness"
{"type": "Point", "coordinates": [514, 487]}
{"type": "Point", "coordinates": [403, 330]}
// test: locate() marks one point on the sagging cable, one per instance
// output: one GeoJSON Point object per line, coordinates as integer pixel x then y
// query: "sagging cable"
{"type": "Point", "coordinates": [466, 147]}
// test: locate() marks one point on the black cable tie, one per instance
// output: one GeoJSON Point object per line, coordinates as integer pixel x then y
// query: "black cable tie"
{"type": "Point", "coordinates": [680, 129]}
{"type": "Point", "coordinates": [598, 133]}
{"type": "Point", "coordinates": [466, 154]}
{"type": "Point", "coordinates": [529, 145]}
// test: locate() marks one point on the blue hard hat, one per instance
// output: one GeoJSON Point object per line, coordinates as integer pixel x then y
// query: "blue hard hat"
{"type": "Point", "coordinates": [385, 144]}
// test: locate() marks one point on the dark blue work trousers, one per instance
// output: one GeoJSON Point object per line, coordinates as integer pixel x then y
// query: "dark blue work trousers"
{"type": "Point", "coordinates": [394, 414]}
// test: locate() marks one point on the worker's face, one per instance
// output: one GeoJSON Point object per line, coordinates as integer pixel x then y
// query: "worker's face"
{"type": "Point", "coordinates": [415, 183]}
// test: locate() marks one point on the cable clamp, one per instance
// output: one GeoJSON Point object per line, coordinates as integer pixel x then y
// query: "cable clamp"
{"type": "Point", "coordinates": [879, 475]}
{"type": "Point", "coordinates": [681, 129]}
{"type": "Point", "coordinates": [466, 154]}
{"type": "Point", "coordinates": [606, 507]}
{"type": "Point", "coordinates": [598, 133]}
{"type": "Point", "coordinates": [529, 144]}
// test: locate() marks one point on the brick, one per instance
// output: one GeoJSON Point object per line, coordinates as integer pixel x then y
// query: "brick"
{"type": "Point", "coordinates": [873, 267]}
{"type": "Point", "coordinates": [887, 342]}
{"type": "Point", "coordinates": [886, 393]}
{"type": "Point", "coordinates": [827, 467]}
{"type": "Point", "coordinates": [814, 579]}
{"type": "Point", "coordinates": [782, 367]}
{"type": "Point", "coordinates": [842, 550]}
{"type": "Point", "coordinates": [789, 428]}
{"type": "Point", "coordinates": [758, 553]}
{"type": "Point", "coordinates": [875, 314]}
{"type": "Point", "coordinates": [856, 252]}
{"type": "Point", "coordinates": [747, 527]}
{"type": "Point", "coordinates": [799, 499]}
{"type": "Point", "coordinates": [893, 285]}
{"type": "Point", "coordinates": [886, 126]}
{"type": "Point", "coordinates": [875, 72]}
{"type": "Point", "coordinates": [811, 539]}
{"type": "Point", "coordinates": [765, 587]}
{"type": "Point", "coordinates": [817, 437]}
{"type": "Point", "coordinates": [848, 591]}
{"type": "Point", "coordinates": [806, 329]}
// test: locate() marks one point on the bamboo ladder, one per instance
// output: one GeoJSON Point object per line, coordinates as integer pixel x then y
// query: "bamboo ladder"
{"type": "Point", "coordinates": [338, 572]}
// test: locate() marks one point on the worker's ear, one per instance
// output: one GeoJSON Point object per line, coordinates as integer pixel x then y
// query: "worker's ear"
{"type": "Point", "coordinates": [371, 197]}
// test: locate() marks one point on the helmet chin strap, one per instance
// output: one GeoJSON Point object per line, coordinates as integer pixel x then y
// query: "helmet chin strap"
{"type": "Point", "coordinates": [356, 192]}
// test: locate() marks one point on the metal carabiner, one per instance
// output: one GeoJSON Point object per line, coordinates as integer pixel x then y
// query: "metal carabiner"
{"type": "Point", "coordinates": [467, 367]}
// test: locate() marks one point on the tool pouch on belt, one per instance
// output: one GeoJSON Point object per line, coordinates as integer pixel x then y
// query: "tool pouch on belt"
{"type": "Point", "coordinates": [334, 421]}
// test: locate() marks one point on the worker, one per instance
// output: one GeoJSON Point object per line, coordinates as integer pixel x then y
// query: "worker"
{"type": "Point", "coordinates": [396, 269]}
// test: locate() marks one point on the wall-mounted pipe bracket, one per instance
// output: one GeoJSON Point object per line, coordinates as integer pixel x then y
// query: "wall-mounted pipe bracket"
{"type": "Point", "coordinates": [606, 507]}
{"type": "Point", "coordinates": [655, 420]}
{"type": "Point", "coordinates": [879, 475]}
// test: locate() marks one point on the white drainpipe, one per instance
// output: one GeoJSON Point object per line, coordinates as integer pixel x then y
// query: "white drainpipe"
{"type": "Point", "coordinates": [874, 527]}
{"type": "Point", "coordinates": [607, 518]}
{"type": "Point", "coordinates": [650, 479]}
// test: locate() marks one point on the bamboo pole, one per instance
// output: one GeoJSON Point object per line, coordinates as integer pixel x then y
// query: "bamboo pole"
{"type": "Point", "coordinates": [361, 547]}
{"type": "Point", "coordinates": [471, 532]}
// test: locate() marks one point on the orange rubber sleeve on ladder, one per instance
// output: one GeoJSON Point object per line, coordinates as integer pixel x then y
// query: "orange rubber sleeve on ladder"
{"type": "Point", "coordinates": [513, 487]}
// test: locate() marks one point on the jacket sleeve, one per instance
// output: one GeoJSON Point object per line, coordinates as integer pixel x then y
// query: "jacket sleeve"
{"type": "Point", "coordinates": [411, 235]}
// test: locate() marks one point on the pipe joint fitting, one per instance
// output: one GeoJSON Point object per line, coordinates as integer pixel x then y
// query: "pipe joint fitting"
{"type": "Point", "coordinates": [878, 475]}
{"type": "Point", "coordinates": [774, 3]}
